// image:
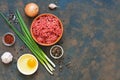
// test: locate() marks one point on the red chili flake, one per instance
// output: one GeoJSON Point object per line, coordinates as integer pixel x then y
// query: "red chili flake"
{"type": "Point", "coordinates": [8, 39]}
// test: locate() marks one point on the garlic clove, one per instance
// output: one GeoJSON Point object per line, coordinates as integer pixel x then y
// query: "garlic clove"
{"type": "Point", "coordinates": [6, 57]}
{"type": "Point", "coordinates": [52, 6]}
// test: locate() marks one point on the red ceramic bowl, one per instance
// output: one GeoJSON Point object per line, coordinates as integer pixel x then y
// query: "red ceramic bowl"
{"type": "Point", "coordinates": [46, 29]}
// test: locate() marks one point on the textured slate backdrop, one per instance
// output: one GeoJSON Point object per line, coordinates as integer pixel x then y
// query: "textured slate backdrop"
{"type": "Point", "coordinates": [91, 40]}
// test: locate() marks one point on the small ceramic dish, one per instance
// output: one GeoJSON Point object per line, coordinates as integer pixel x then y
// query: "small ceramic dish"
{"type": "Point", "coordinates": [27, 64]}
{"type": "Point", "coordinates": [8, 39]}
{"type": "Point", "coordinates": [56, 51]}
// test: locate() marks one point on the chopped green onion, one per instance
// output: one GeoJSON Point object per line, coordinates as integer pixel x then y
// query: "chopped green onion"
{"type": "Point", "coordinates": [26, 37]}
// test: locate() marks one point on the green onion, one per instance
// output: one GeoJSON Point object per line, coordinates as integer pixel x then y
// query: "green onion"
{"type": "Point", "coordinates": [26, 37]}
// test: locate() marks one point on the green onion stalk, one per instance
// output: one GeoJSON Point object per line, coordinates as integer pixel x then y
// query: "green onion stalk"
{"type": "Point", "coordinates": [26, 37]}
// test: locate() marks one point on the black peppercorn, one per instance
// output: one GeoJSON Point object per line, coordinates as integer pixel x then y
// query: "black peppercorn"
{"type": "Point", "coordinates": [56, 51]}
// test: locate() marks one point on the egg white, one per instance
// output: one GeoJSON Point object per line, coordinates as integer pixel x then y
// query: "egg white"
{"type": "Point", "coordinates": [23, 65]}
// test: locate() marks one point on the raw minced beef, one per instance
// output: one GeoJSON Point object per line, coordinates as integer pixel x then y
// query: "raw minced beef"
{"type": "Point", "coordinates": [46, 29]}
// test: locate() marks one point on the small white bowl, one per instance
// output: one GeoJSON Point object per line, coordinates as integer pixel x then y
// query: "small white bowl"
{"type": "Point", "coordinates": [23, 67]}
{"type": "Point", "coordinates": [6, 44]}
{"type": "Point", "coordinates": [62, 51]}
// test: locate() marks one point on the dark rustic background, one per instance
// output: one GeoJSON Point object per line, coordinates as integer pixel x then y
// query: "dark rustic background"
{"type": "Point", "coordinates": [91, 40]}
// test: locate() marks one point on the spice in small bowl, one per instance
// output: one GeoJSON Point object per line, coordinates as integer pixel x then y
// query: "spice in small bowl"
{"type": "Point", "coordinates": [56, 51]}
{"type": "Point", "coordinates": [8, 39]}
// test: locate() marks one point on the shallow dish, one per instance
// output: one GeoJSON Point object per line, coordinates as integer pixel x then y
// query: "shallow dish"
{"type": "Point", "coordinates": [56, 51]}
{"type": "Point", "coordinates": [27, 64]}
{"type": "Point", "coordinates": [8, 39]}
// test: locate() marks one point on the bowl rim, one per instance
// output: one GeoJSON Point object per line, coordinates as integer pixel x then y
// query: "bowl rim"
{"type": "Point", "coordinates": [5, 42]}
{"type": "Point", "coordinates": [60, 48]}
{"type": "Point", "coordinates": [43, 44]}
{"type": "Point", "coordinates": [24, 73]}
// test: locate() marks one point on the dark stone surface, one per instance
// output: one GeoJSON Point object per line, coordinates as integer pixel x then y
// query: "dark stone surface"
{"type": "Point", "coordinates": [91, 40]}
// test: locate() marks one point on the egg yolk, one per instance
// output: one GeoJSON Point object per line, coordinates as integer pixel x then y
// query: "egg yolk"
{"type": "Point", "coordinates": [31, 63]}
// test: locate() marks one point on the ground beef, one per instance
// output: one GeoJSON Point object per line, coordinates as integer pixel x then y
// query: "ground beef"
{"type": "Point", "coordinates": [46, 29]}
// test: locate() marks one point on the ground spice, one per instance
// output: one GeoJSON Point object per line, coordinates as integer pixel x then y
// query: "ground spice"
{"type": "Point", "coordinates": [8, 39]}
